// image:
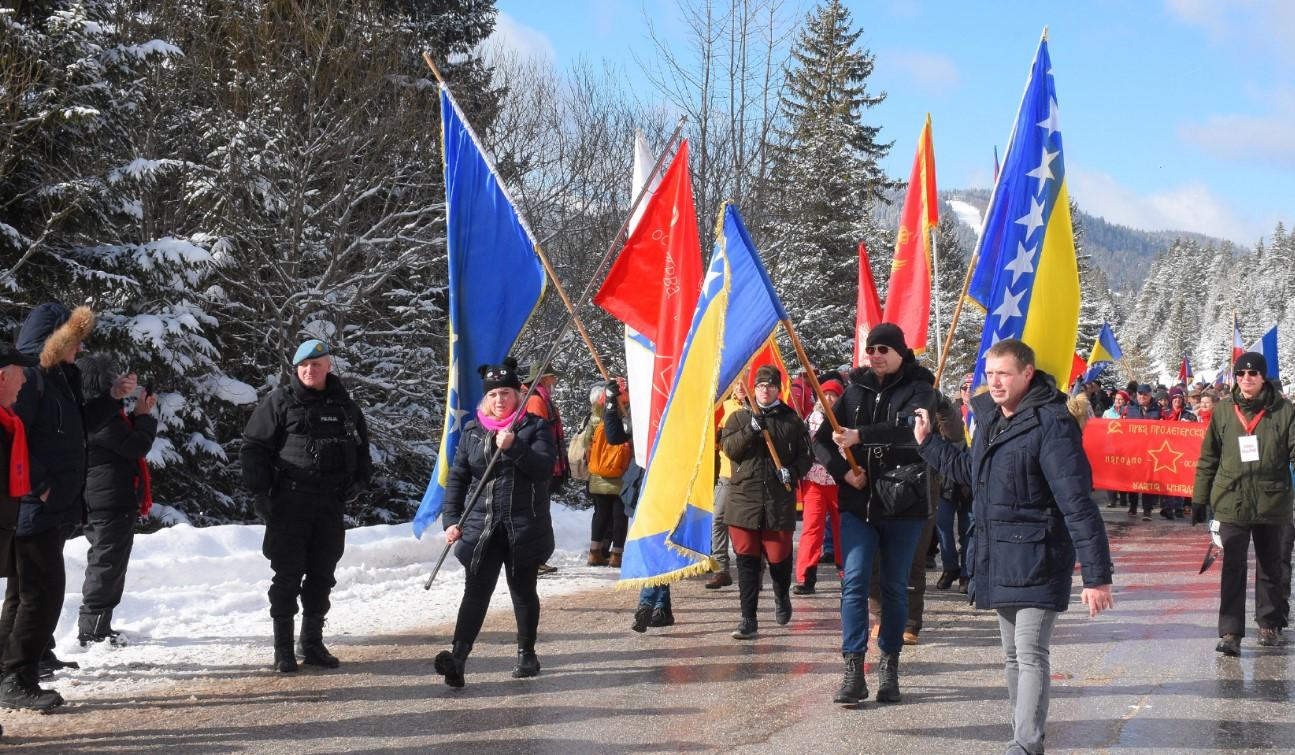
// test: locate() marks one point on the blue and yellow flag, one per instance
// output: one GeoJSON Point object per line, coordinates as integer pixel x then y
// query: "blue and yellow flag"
{"type": "Point", "coordinates": [737, 310]}
{"type": "Point", "coordinates": [1026, 277]}
{"type": "Point", "coordinates": [1105, 350]}
{"type": "Point", "coordinates": [495, 282]}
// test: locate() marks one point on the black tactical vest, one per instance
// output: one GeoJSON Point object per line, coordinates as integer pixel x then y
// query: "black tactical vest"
{"type": "Point", "coordinates": [321, 443]}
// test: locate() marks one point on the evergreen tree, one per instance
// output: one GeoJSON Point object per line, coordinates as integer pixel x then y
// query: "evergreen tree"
{"type": "Point", "coordinates": [826, 174]}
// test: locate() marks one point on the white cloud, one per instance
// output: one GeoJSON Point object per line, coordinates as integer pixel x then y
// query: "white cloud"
{"type": "Point", "coordinates": [931, 73]}
{"type": "Point", "coordinates": [1267, 138]}
{"type": "Point", "coordinates": [1262, 25]}
{"type": "Point", "coordinates": [1187, 207]}
{"type": "Point", "coordinates": [515, 39]}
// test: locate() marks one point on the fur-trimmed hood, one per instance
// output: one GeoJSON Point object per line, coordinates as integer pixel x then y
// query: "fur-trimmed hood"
{"type": "Point", "coordinates": [50, 330]}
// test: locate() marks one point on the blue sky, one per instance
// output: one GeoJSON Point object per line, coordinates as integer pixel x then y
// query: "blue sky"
{"type": "Point", "coordinates": [1176, 115]}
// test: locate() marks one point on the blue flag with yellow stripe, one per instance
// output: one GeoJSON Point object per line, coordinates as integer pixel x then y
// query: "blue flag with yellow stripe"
{"type": "Point", "coordinates": [1026, 276]}
{"type": "Point", "coordinates": [736, 311]}
{"type": "Point", "coordinates": [1105, 350]}
{"type": "Point", "coordinates": [495, 282]}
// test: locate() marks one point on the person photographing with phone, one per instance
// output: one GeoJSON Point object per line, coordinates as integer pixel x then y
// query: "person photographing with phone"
{"type": "Point", "coordinates": [1032, 515]}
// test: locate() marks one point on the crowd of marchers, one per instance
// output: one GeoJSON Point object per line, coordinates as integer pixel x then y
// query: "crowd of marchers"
{"type": "Point", "coordinates": [880, 471]}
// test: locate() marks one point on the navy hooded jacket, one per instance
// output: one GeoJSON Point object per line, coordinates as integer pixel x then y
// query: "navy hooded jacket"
{"type": "Point", "coordinates": [1033, 510]}
{"type": "Point", "coordinates": [58, 421]}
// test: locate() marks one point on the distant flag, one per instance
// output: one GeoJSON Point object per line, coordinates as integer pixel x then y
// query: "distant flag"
{"type": "Point", "coordinates": [735, 315]}
{"type": "Point", "coordinates": [1105, 351]}
{"type": "Point", "coordinates": [640, 353]}
{"type": "Point", "coordinates": [1238, 346]}
{"type": "Point", "coordinates": [1026, 276]}
{"type": "Point", "coordinates": [1077, 367]}
{"type": "Point", "coordinates": [908, 298]}
{"type": "Point", "coordinates": [995, 163]}
{"type": "Point", "coordinates": [1185, 371]}
{"type": "Point", "coordinates": [1267, 345]}
{"type": "Point", "coordinates": [652, 287]}
{"type": "Point", "coordinates": [484, 235]}
{"type": "Point", "coordinates": [867, 307]}
{"type": "Point", "coordinates": [1222, 377]}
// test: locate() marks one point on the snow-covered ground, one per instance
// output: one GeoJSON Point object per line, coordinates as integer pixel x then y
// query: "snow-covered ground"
{"type": "Point", "coordinates": [967, 213]}
{"type": "Point", "coordinates": [196, 599]}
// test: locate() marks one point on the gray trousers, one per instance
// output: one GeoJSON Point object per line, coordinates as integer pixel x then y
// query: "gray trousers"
{"type": "Point", "coordinates": [111, 535]}
{"type": "Point", "coordinates": [719, 542]}
{"type": "Point", "coordinates": [1026, 635]}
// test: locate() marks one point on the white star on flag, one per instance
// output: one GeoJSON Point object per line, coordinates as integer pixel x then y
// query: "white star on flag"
{"type": "Point", "coordinates": [1053, 122]}
{"type": "Point", "coordinates": [1009, 307]}
{"type": "Point", "coordinates": [1023, 264]}
{"type": "Point", "coordinates": [456, 419]}
{"type": "Point", "coordinates": [1044, 171]}
{"type": "Point", "coordinates": [711, 276]}
{"type": "Point", "coordinates": [1034, 219]}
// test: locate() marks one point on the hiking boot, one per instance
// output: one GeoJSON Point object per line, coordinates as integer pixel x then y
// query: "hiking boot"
{"type": "Point", "coordinates": [642, 618]}
{"type": "Point", "coordinates": [910, 638]}
{"type": "Point", "coordinates": [49, 663]}
{"type": "Point", "coordinates": [528, 664]}
{"type": "Point", "coordinates": [451, 664]}
{"type": "Point", "coordinates": [946, 579]}
{"type": "Point", "coordinates": [615, 560]}
{"type": "Point", "coordinates": [1167, 513]}
{"type": "Point", "coordinates": [285, 661]}
{"type": "Point", "coordinates": [544, 569]}
{"type": "Point", "coordinates": [662, 616]}
{"type": "Point", "coordinates": [721, 579]}
{"type": "Point", "coordinates": [805, 589]}
{"type": "Point", "coordinates": [854, 688]}
{"type": "Point", "coordinates": [747, 629]}
{"type": "Point", "coordinates": [311, 645]}
{"type": "Point", "coordinates": [888, 673]}
{"type": "Point", "coordinates": [962, 584]}
{"type": "Point", "coordinates": [1270, 637]}
{"type": "Point", "coordinates": [19, 692]}
{"type": "Point", "coordinates": [596, 558]}
{"type": "Point", "coordinates": [1229, 645]}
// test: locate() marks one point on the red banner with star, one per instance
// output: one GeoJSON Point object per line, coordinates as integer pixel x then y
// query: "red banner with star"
{"type": "Point", "coordinates": [1144, 455]}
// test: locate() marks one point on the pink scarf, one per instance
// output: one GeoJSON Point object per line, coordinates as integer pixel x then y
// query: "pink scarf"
{"type": "Point", "coordinates": [495, 425]}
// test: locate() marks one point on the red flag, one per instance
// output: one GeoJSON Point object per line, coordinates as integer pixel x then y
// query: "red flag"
{"type": "Point", "coordinates": [908, 301]}
{"type": "Point", "coordinates": [653, 285]}
{"type": "Point", "coordinates": [1078, 366]}
{"type": "Point", "coordinates": [1144, 456]}
{"type": "Point", "coordinates": [868, 306]}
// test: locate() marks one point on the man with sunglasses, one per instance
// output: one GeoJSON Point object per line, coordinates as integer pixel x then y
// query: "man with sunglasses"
{"type": "Point", "coordinates": [1244, 474]}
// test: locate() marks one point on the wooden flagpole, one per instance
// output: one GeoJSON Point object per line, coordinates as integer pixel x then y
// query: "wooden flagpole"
{"type": "Point", "coordinates": [828, 414]}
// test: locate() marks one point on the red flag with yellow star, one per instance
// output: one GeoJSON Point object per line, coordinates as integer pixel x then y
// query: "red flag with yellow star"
{"type": "Point", "coordinates": [908, 301]}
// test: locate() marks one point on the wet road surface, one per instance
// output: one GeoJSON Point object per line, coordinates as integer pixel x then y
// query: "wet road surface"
{"type": "Point", "coordinates": [1143, 678]}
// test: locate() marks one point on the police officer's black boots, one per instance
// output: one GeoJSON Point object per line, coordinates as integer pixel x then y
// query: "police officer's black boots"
{"type": "Point", "coordinates": [451, 663]}
{"type": "Point", "coordinates": [311, 648]}
{"type": "Point", "coordinates": [284, 659]}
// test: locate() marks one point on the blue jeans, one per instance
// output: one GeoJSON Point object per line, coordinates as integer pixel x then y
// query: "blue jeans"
{"type": "Point", "coordinates": [895, 541]}
{"type": "Point", "coordinates": [953, 542]}
{"type": "Point", "coordinates": [657, 597]}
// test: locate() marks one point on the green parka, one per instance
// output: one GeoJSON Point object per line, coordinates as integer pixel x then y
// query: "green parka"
{"type": "Point", "coordinates": [1256, 492]}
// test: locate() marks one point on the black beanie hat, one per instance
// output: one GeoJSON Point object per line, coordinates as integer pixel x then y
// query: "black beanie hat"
{"type": "Point", "coordinates": [1252, 360]}
{"type": "Point", "coordinates": [768, 374]}
{"type": "Point", "coordinates": [500, 376]}
{"type": "Point", "coordinates": [889, 334]}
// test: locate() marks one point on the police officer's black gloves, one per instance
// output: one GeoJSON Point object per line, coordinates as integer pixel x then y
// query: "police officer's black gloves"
{"type": "Point", "coordinates": [757, 422]}
{"type": "Point", "coordinates": [1199, 513]}
{"type": "Point", "coordinates": [262, 506]}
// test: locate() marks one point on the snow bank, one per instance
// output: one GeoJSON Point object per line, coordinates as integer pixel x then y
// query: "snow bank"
{"type": "Point", "coordinates": [967, 213]}
{"type": "Point", "coordinates": [196, 599]}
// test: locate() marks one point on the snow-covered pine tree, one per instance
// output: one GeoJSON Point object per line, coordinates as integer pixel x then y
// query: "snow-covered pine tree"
{"type": "Point", "coordinates": [826, 173]}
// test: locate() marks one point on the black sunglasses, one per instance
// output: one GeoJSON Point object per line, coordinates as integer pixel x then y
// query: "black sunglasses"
{"type": "Point", "coordinates": [870, 350]}
{"type": "Point", "coordinates": [1249, 373]}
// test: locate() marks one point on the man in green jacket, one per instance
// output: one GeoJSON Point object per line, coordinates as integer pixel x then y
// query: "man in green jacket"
{"type": "Point", "coordinates": [1244, 474]}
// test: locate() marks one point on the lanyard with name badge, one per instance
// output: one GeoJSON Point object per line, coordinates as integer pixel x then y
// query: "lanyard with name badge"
{"type": "Point", "coordinates": [1249, 443]}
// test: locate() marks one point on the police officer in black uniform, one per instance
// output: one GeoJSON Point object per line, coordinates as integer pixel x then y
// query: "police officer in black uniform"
{"type": "Point", "coordinates": [305, 453]}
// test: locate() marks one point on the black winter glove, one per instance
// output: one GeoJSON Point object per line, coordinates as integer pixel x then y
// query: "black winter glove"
{"type": "Point", "coordinates": [263, 507]}
{"type": "Point", "coordinates": [784, 475]}
{"type": "Point", "coordinates": [757, 422]}
{"type": "Point", "coordinates": [611, 392]}
{"type": "Point", "coordinates": [1199, 513]}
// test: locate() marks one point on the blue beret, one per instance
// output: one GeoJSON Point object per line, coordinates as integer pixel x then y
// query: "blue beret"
{"type": "Point", "coordinates": [310, 350]}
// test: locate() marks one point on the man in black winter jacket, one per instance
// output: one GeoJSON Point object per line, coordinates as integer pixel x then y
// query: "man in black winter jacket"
{"type": "Point", "coordinates": [1033, 512]}
{"type": "Point", "coordinates": [57, 419]}
{"type": "Point", "coordinates": [305, 454]}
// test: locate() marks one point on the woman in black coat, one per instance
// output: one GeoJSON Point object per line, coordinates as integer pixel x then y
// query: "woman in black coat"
{"type": "Point", "coordinates": [510, 528]}
{"type": "Point", "coordinates": [116, 493]}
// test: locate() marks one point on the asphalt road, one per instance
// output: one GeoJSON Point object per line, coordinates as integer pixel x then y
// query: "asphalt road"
{"type": "Point", "coordinates": [1142, 678]}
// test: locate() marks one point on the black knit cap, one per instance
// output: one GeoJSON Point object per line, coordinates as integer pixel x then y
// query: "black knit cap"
{"type": "Point", "coordinates": [11, 355]}
{"type": "Point", "coordinates": [768, 374]}
{"type": "Point", "coordinates": [1252, 360]}
{"type": "Point", "coordinates": [502, 375]}
{"type": "Point", "coordinates": [888, 334]}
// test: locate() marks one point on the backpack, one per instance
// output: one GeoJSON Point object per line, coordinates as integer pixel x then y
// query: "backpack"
{"type": "Point", "coordinates": [605, 460]}
{"type": "Point", "coordinates": [578, 454]}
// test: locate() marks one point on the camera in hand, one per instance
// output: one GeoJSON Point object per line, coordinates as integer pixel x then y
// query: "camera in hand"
{"type": "Point", "coordinates": [906, 420]}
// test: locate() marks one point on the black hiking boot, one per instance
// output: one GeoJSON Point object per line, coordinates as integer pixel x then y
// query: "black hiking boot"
{"type": "Point", "coordinates": [285, 662]}
{"type": "Point", "coordinates": [946, 580]}
{"type": "Point", "coordinates": [662, 617]}
{"type": "Point", "coordinates": [854, 688]}
{"type": "Point", "coordinates": [747, 629]}
{"type": "Point", "coordinates": [888, 673]}
{"type": "Point", "coordinates": [1229, 645]}
{"type": "Point", "coordinates": [19, 692]}
{"type": "Point", "coordinates": [528, 664]}
{"type": "Point", "coordinates": [642, 618]}
{"type": "Point", "coordinates": [311, 645]}
{"type": "Point", "coordinates": [451, 664]}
